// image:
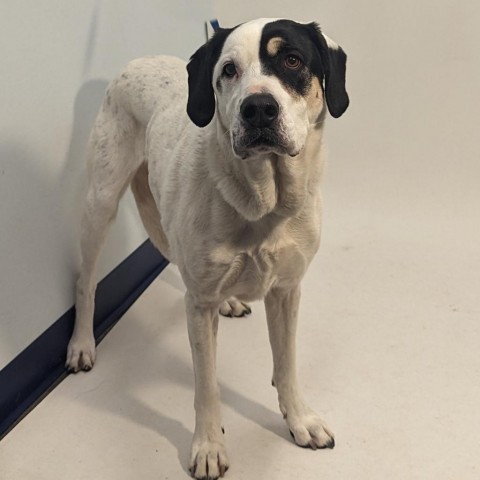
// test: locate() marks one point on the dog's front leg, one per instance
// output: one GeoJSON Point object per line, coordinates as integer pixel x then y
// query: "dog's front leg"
{"type": "Point", "coordinates": [305, 425]}
{"type": "Point", "coordinates": [208, 458]}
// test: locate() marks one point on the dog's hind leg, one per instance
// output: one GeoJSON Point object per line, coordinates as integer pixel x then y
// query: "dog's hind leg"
{"type": "Point", "coordinates": [112, 163]}
{"type": "Point", "coordinates": [234, 308]}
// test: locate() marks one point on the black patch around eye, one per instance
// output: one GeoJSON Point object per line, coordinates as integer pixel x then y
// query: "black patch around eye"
{"type": "Point", "coordinates": [296, 41]}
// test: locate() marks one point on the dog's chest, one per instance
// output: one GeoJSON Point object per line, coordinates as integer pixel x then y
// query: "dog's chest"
{"type": "Point", "coordinates": [250, 274]}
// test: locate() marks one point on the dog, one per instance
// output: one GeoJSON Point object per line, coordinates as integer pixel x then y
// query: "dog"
{"type": "Point", "coordinates": [224, 158]}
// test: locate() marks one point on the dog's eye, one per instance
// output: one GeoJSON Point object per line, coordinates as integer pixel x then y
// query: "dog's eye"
{"type": "Point", "coordinates": [292, 62]}
{"type": "Point", "coordinates": [229, 70]}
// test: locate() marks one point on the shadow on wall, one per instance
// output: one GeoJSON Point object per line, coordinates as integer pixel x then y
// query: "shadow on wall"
{"type": "Point", "coordinates": [40, 230]}
{"type": "Point", "coordinates": [73, 179]}
{"type": "Point", "coordinates": [25, 242]}
{"type": "Point", "coordinates": [40, 233]}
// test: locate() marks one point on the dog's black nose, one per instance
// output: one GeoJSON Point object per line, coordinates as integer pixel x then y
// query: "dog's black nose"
{"type": "Point", "coordinates": [259, 110]}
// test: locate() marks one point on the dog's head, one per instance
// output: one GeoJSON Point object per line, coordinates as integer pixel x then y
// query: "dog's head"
{"type": "Point", "coordinates": [270, 79]}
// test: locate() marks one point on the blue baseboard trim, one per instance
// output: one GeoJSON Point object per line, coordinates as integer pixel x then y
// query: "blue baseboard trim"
{"type": "Point", "coordinates": [36, 371]}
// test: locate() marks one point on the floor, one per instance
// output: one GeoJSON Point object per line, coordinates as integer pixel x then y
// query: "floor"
{"type": "Point", "coordinates": [388, 354]}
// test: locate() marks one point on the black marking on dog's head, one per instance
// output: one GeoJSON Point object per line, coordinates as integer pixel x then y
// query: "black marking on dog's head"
{"type": "Point", "coordinates": [201, 98]}
{"type": "Point", "coordinates": [282, 38]}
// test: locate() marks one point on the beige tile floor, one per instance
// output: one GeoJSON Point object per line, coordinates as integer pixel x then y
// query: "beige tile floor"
{"type": "Point", "coordinates": [389, 354]}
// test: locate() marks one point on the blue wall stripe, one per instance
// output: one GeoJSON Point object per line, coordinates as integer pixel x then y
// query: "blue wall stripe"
{"type": "Point", "coordinates": [36, 371]}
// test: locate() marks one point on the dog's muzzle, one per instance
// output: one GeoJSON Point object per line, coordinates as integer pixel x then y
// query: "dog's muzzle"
{"type": "Point", "coordinates": [259, 132]}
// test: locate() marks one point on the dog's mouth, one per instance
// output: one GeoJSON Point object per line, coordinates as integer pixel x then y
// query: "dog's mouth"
{"type": "Point", "coordinates": [258, 141]}
{"type": "Point", "coordinates": [261, 137]}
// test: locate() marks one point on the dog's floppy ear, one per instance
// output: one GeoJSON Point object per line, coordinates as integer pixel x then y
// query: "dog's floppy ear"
{"type": "Point", "coordinates": [201, 98]}
{"type": "Point", "coordinates": [334, 61]}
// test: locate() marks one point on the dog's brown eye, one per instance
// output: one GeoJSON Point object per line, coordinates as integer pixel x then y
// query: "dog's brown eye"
{"type": "Point", "coordinates": [229, 70]}
{"type": "Point", "coordinates": [292, 61]}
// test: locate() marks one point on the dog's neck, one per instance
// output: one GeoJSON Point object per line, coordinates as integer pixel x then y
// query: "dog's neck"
{"type": "Point", "coordinates": [268, 183]}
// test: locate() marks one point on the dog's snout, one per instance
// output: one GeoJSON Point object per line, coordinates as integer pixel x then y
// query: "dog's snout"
{"type": "Point", "coordinates": [259, 110]}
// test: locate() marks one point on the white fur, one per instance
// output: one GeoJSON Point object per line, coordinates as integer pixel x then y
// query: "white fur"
{"type": "Point", "coordinates": [239, 230]}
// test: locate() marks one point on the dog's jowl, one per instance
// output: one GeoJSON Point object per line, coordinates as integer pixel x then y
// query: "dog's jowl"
{"type": "Point", "coordinates": [224, 157]}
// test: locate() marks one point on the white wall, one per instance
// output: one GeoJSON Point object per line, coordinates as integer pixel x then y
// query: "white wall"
{"type": "Point", "coordinates": [56, 58]}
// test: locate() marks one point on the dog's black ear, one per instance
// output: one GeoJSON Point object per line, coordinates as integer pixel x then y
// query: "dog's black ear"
{"type": "Point", "coordinates": [201, 98]}
{"type": "Point", "coordinates": [334, 61]}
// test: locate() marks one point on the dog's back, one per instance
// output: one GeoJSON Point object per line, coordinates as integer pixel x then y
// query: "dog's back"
{"type": "Point", "coordinates": [148, 85]}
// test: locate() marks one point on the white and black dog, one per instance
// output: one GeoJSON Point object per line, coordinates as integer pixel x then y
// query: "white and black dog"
{"type": "Point", "coordinates": [225, 165]}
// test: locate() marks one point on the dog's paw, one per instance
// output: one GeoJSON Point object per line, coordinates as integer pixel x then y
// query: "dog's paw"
{"type": "Point", "coordinates": [234, 308]}
{"type": "Point", "coordinates": [80, 353]}
{"type": "Point", "coordinates": [209, 460]}
{"type": "Point", "coordinates": [309, 431]}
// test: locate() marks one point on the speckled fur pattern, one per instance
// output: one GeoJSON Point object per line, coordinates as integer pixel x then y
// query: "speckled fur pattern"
{"type": "Point", "coordinates": [240, 225]}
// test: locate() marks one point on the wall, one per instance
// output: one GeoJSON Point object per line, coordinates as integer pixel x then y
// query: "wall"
{"type": "Point", "coordinates": [56, 60]}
